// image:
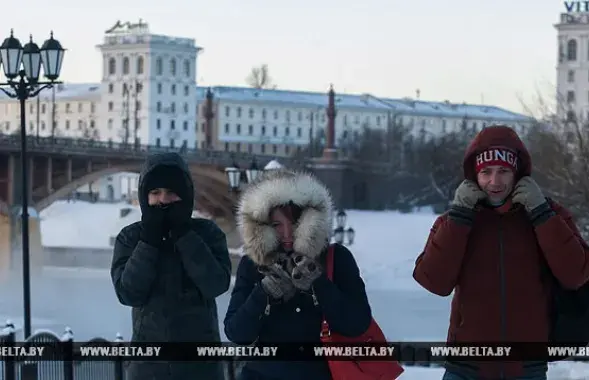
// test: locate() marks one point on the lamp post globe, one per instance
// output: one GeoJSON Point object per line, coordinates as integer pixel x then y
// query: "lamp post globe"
{"type": "Point", "coordinates": [11, 52]}
{"type": "Point", "coordinates": [52, 58]}
{"type": "Point", "coordinates": [31, 61]}
{"type": "Point", "coordinates": [253, 172]}
{"type": "Point", "coordinates": [350, 234]}
{"type": "Point", "coordinates": [233, 176]}
{"type": "Point", "coordinates": [338, 235]}
{"type": "Point", "coordinates": [340, 218]}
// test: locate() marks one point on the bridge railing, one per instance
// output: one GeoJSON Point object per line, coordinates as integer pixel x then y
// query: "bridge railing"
{"type": "Point", "coordinates": [129, 150]}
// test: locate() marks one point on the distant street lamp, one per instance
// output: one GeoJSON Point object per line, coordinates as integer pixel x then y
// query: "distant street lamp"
{"type": "Point", "coordinates": [25, 63]}
{"type": "Point", "coordinates": [234, 175]}
{"type": "Point", "coordinates": [340, 233]}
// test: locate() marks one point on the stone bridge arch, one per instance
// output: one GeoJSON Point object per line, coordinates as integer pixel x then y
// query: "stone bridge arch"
{"type": "Point", "coordinates": [212, 193]}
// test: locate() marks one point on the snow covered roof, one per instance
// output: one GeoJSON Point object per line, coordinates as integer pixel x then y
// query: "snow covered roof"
{"type": "Point", "coordinates": [364, 103]}
{"type": "Point", "coordinates": [80, 91]}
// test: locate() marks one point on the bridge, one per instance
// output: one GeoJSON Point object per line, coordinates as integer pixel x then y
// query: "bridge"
{"type": "Point", "coordinates": [58, 166]}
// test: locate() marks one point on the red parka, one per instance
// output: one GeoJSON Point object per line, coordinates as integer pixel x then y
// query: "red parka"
{"type": "Point", "coordinates": [495, 267]}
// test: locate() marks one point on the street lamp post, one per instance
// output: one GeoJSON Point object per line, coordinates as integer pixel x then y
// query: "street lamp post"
{"type": "Point", "coordinates": [340, 233]}
{"type": "Point", "coordinates": [25, 64]}
{"type": "Point", "coordinates": [234, 174]}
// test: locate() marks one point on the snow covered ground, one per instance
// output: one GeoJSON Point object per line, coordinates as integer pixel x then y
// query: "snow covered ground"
{"type": "Point", "coordinates": [385, 247]}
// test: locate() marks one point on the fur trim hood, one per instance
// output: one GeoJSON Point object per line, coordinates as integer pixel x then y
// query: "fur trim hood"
{"type": "Point", "coordinates": [278, 187]}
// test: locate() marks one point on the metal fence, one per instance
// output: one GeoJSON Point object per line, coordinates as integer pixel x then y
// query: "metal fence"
{"type": "Point", "coordinates": [21, 369]}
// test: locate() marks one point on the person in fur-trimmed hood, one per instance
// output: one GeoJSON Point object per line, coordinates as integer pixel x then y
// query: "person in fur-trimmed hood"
{"type": "Point", "coordinates": [281, 292]}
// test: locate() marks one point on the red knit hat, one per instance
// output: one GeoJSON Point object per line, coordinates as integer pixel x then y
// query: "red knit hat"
{"type": "Point", "coordinates": [496, 156]}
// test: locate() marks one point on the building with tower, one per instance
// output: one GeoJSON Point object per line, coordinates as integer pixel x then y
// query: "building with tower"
{"type": "Point", "coordinates": [572, 69]}
{"type": "Point", "coordinates": [148, 87]}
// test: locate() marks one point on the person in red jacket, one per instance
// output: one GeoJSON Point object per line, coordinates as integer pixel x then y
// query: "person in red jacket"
{"type": "Point", "coordinates": [492, 247]}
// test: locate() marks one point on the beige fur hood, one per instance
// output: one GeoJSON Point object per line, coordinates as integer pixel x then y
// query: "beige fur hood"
{"type": "Point", "coordinates": [274, 188]}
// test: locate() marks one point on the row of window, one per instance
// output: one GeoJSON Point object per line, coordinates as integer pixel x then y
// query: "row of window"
{"type": "Point", "coordinates": [250, 130]}
{"type": "Point", "coordinates": [68, 107]}
{"type": "Point", "coordinates": [139, 66]}
{"type": "Point", "coordinates": [129, 89]}
{"type": "Point", "coordinates": [158, 107]}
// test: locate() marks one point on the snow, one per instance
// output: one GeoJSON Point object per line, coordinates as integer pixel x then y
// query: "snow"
{"type": "Point", "coordinates": [273, 165]}
{"type": "Point", "coordinates": [386, 246]}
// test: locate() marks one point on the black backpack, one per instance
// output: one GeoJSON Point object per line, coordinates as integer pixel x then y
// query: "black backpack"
{"type": "Point", "coordinates": [569, 312]}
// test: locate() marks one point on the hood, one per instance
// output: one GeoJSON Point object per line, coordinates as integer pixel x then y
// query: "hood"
{"type": "Point", "coordinates": [172, 160]}
{"type": "Point", "coordinates": [497, 136]}
{"type": "Point", "coordinates": [278, 187]}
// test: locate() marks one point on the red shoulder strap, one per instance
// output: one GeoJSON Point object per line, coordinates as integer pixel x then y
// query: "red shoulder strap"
{"type": "Point", "coordinates": [325, 331]}
{"type": "Point", "coordinates": [329, 262]}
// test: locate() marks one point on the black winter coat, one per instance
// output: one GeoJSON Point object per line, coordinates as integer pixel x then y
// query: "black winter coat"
{"type": "Point", "coordinates": [172, 289]}
{"type": "Point", "coordinates": [343, 302]}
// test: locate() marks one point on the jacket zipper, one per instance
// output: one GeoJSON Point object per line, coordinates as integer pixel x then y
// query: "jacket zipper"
{"type": "Point", "coordinates": [503, 308]}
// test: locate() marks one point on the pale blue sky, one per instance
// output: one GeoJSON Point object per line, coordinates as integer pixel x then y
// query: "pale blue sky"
{"type": "Point", "coordinates": [473, 51]}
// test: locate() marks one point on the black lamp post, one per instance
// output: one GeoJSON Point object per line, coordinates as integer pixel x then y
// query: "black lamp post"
{"type": "Point", "coordinates": [25, 63]}
{"type": "Point", "coordinates": [234, 175]}
{"type": "Point", "coordinates": [340, 233]}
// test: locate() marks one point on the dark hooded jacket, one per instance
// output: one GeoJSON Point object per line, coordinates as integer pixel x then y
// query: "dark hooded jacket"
{"type": "Point", "coordinates": [497, 267]}
{"type": "Point", "coordinates": [253, 317]}
{"type": "Point", "coordinates": [172, 289]}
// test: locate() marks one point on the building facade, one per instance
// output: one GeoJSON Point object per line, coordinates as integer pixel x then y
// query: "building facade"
{"type": "Point", "coordinates": [282, 122]}
{"type": "Point", "coordinates": [572, 69]}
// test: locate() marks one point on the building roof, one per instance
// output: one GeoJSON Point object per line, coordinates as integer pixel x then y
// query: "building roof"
{"type": "Point", "coordinates": [68, 91]}
{"type": "Point", "coordinates": [364, 103]}
{"type": "Point", "coordinates": [359, 102]}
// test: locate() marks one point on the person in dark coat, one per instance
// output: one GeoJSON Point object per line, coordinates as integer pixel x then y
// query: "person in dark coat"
{"type": "Point", "coordinates": [169, 268]}
{"type": "Point", "coordinates": [492, 248]}
{"type": "Point", "coordinates": [281, 290]}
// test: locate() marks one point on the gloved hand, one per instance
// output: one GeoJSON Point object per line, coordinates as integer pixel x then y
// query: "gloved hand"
{"type": "Point", "coordinates": [277, 283]}
{"type": "Point", "coordinates": [152, 225]}
{"type": "Point", "coordinates": [305, 272]}
{"type": "Point", "coordinates": [528, 194]}
{"type": "Point", "coordinates": [468, 194]}
{"type": "Point", "coordinates": [178, 217]}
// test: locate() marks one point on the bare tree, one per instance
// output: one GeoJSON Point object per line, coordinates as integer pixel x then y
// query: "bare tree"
{"type": "Point", "coordinates": [259, 78]}
{"type": "Point", "coordinates": [560, 156]}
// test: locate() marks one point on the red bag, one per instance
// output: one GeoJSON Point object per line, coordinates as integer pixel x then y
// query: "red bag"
{"type": "Point", "coordinates": [354, 369]}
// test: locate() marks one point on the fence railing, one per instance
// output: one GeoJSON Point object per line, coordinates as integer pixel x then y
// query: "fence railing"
{"type": "Point", "coordinates": [12, 368]}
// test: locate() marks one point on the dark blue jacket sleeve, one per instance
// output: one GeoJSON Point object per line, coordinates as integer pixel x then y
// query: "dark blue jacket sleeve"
{"type": "Point", "coordinates": [245, 312]}
{"type": "Point", "coordinates": [206, 259]}
{"type": "Point", "coordinates": [344, 302]}
{"type": "Point", "coordinates": [134, 267]}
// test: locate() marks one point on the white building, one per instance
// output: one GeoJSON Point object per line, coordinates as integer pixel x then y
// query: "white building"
{"type": "Point", "coordinates": [112, 188]}
{"type": "Point", "coordinates": [572, 70]}
{"type": "Point", "coordinates": [148, 84]}
{"type": "Point", "coordinates": [281, 121]}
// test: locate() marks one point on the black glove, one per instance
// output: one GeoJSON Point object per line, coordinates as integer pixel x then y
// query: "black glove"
{"type": "Point", "coordinates": [178, 218]}
{"type": "Point", "coordinates": [277, 283]}
{"type": "Point", "coordinates": [152, 225]}
{"type": "Point", "coordinates": [305, 272]}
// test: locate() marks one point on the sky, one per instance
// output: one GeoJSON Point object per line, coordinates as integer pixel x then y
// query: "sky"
{"type": "Point", "coordinates": [499, 52]}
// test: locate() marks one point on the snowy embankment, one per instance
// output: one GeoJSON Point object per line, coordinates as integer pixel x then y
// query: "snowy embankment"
{"type": "Point", "coordinates": [385, 247]}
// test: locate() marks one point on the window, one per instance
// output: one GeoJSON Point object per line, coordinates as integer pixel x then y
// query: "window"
{"type": "Point", "coordinates": [158, 124]}
{"type": "Point", "coordinates": [251, 113]}
{"type": "Point", "coordinates": [159, 88]}
{"type": "Point", "coordinates": [186, 90]}
{"type": "Point", "coordinates": [227, 113]}
{"type": "Point", "coordinates": [275, 115]}
{"type": "Point", "coordinates": [171, 143]}
{"type": "Point", "coordinates": [187, 68]}
{"type": "Point", "coordinates": [158, 142]}
{"type": "Point", "coordinates": [112, 66]}
{"type": "Point", "coordinates": [226, 128]}
{"type": "Point", "coordinates": [173, 67]}
{"type": "Point", "coordinates": [68, 108]}
{"type": "Point", "coordinates": [571, 76]}
{"type": "Point", "coordinates": [238, 111]}
{"type": "Point", "coordinates": [238, 129]}
{"type": "Point", "coordinates": [572, 50]}
{"type": "Point", "coordinates": [172, 124]}
{"type": "Point", "coordinates": [185, 125]}
{"type": "Point", "coordinates": [140, 64]}
{"type": "Point", "coordinates": [275, 131]}
{"type": "Point", "coordinates": [159, 67]}
{"type": "Point", "coordinates": [80, 107]}
{"type": "Point", "coordinates": [250, 130]}
{"type": "Point", "coordinates": [158, 106]}
{"type": "Point", "coordinates": [173, 89]}
{"type": "Point", "coordinates": [570, 96]}
{"type": "Point", "coordinates": [111, 88]}
{"type": "Point", "coordinates": [110, 106]}
{"type": "Point", "coordinates": [126, 66]}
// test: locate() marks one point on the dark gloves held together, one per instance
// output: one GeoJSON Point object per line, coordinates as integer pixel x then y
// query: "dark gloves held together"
{"type": "Point", "coordinates": [159, 221]}
{"type": "Point", "coordinates": [283, 278]}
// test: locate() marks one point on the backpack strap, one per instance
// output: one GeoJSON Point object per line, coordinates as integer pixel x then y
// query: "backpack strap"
{"type": "Point", "coordinates": [325, 331]}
